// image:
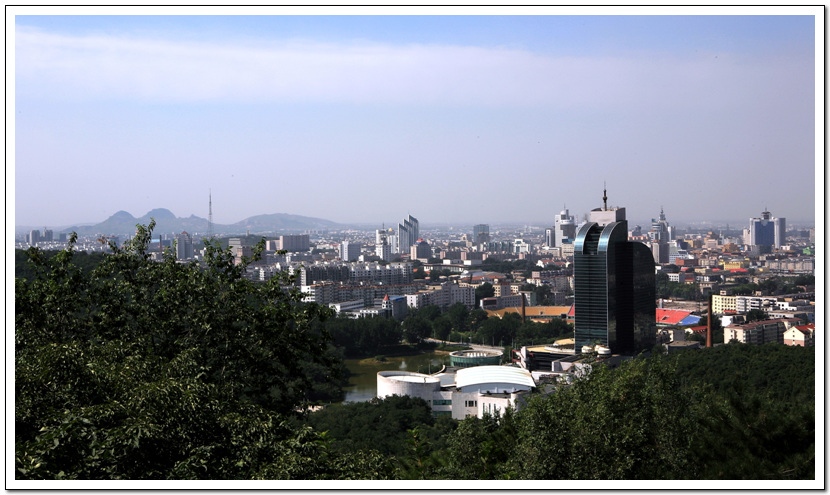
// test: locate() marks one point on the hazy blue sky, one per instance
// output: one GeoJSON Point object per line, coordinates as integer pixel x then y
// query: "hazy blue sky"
{"type": "Point", "coordinates": [450, 118]}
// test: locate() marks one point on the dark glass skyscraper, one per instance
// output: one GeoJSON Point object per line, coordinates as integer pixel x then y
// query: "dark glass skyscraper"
{"type": "Point", "coordinates": [614, 286]}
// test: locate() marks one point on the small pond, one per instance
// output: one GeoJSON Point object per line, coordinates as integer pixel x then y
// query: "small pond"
{"type": "Point", "coordinates": [363, 380]}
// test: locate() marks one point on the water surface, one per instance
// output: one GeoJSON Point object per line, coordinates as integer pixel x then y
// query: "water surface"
{"type": "Point", "coordinates": [363, 380]}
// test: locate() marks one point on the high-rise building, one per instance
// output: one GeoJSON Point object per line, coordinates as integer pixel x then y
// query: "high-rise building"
{"type": "Point", "coordinates": [408, 234]}
{"type": "Point", "coordinates": [184, 246]}
{"type": "Point", "coordinates": [383, 251]}
{"type": "Point", "coordinates": [481, 234]}
{"type": "Point", "coordinates": [387, 236]}
{"type": "Point", "coordinates": [33, 237]}
{"type": "Point", "coordinates": [614, 285]}
{"type": "Point", "coordinates": [350, 250]}
{"type": "Point", "coordinates": [661, 231]}
{"type": "Point", "coordinates": [564, 228]}
{"type": "Point", "coordinates": [660, 234]}
{"type": "Point", "coordinates": [767, 231]}
{"type": "Point", "coordinates": [549, 237]}
{"type": "Point", "coordinates": [421, 250]}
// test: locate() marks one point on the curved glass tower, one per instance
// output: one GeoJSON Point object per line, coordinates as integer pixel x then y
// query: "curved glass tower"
{"type": "Point", "coordinates": [614, 287]}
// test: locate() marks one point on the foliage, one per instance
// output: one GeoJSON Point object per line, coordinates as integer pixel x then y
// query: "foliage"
{"type": "Point", "coordinates": [635, 422]}
{"type": "Point", "coordinates": [481, 448]}
{"type": "Point", "coordinates": [24, 269]}
{"type": "Point", "coordinates": [507, 267]}
{"type": "Point", "coordinates": [378, 424]}
{"type": "Point", "coordinates": [764, 424]}
{"type": "Point", "coordinates": [674, 290]}
{"type": "Point", "coordinates": [416, 329]}
{"type": "Point", "coordinates": [364, 336]}
{"type": "Point", "coordinates": [756, 315]}
{"type": "Point", "coordinates": [484, 290]}
{"type": "Point", "coordinates": [139, 370]}
{"type": "Point", "coordinates": [717, 330]}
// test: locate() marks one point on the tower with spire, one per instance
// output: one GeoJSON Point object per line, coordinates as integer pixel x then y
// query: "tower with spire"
{"type": "Point", "coordinates": [614, 285]}
{"type": "Point", "coordinates": [606, 215]}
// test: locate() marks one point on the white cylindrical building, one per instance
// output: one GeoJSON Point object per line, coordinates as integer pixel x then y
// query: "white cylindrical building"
{"type": "Point", "coordinates": [407, 383]}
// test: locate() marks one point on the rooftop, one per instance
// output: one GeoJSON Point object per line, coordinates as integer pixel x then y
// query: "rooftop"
{"type": "Point", "coordinates": [478, 375]}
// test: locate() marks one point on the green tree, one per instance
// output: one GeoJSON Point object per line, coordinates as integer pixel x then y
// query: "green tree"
{"type": "Point", "coordinates": [416, 329]}
{"type": "Point", "coordinates": [756, 315]}
{"type": "Point", "coordinates": [635, 422]}
{"type": "Point", "coordinates": [484, 290]}
{"type": "Point", "coordinates": [480, 448]}
{"type": "Point", "coordinates": [163, 370]}
{"type": "Point", "coordinates": [441, 328]}
{"type": "Point", "coordinates": [459, 315]}
{"type": "Point", "coordinates": [717, 329]}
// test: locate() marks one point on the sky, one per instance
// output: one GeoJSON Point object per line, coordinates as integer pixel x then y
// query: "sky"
{"type": "Point", "coordinates": [451, 118]}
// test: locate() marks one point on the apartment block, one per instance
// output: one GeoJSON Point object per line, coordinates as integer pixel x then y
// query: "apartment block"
{"type": "Point", "coordinates": [760, 332]}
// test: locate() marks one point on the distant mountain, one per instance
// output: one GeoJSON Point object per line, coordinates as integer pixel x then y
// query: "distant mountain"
{"type": "Point", "coordinates": [283, 221]}
{"type": "Point", "coordinates": [123, 223]}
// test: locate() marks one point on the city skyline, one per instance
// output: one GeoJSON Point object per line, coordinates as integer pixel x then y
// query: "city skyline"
{"type": "Point", "coordinates": [465, 119]}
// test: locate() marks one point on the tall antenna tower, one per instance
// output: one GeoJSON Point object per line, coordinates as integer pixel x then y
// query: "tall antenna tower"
{"type": "Point", "coordinates": [210, 215]}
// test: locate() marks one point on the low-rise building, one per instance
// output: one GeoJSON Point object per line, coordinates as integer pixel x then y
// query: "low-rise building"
{"type": "Point", "coordinates": [443, 295]}
{"type": "Point", "coordinates": [800, 335]}
{"type": "Point", "coordinates": [760, 332]}
{"type": "Point", "coordinates": [475, 391]}
{"type": "Point", "coordinates": [723, 304]}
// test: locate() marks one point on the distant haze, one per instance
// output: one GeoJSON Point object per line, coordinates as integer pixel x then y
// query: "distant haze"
{"type": "Point", "coordinates": [365, 119]}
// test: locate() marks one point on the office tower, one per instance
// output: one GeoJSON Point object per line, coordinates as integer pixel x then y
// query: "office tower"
{"type": "Point", "coordinates": [421, 250]}
{"type": "Point", "coordinates": [47, 235]}
{"type": "Point", "coordinates": [184, 246]}
{"type": "Point", "coordinates": [481, 234]}
{"type": "Point", "coordinates": [660, 234]}
{"type": "Point", "coordinates": [780, 231]}
{"type": "Point", "coordinates": [660, 231]}
{"type": "Point", "coordinates": [767, 231]}
{"type": "Point", "coordinates": [614, 285]}
{"type": "Point", "coordinates": [564, 228]}
{"type": "Point", "coordinates": [350, 250]}
{"type": "Point", "coordinates": [33, 237]}
{"type": "Point", "coordinates": [549, 237]}
{"type": "Point", "coordinates": [408, 234]}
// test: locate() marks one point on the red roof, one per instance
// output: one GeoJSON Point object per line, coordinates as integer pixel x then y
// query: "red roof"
{"type": "Point", "coordinates": [670, 316]}
{"type": "Point", "coordinates": [571, 312]}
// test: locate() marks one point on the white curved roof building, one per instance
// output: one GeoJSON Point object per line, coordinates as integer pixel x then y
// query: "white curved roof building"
{"type": "Point", "coordinates": [494, 379]}
{"type": "Point", "coordinates": [471, 391]}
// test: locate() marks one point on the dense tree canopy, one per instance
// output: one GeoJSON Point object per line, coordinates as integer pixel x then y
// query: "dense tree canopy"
{"type": "Point", "coordinates": [139, 370]}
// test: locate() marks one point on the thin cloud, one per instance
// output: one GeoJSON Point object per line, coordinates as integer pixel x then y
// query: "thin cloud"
{"type": "Point", "coordinates": [95, 67]}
